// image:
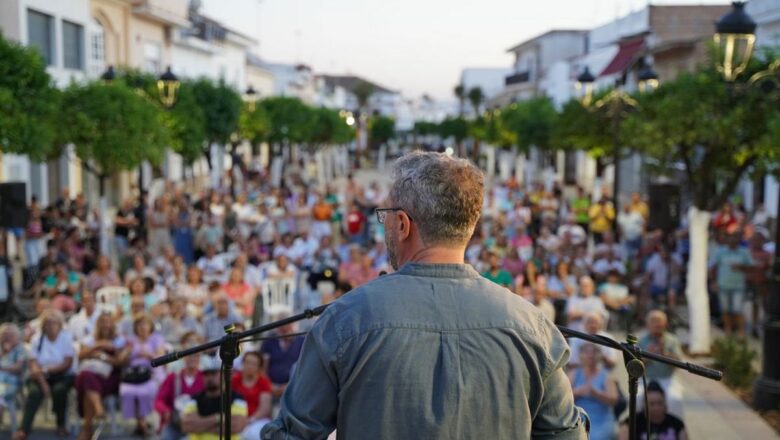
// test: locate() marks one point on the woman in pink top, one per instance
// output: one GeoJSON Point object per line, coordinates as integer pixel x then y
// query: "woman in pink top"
{"type": "Point", "coordinates": [242, 294]}
{"type": "Point", "coordinates": [190, 382]}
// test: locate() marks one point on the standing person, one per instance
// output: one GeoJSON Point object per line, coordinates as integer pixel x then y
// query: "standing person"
{"type": "Point", "coordinates": [159, 227]}
{"type": "Point", "coordinates": [139, 212]}
{"type": "Point", "coordinates": [580, 206]}
{"type": "Point", "coordinates": [639, 206]}
{"type": "Point", "coordinates": [124, 222]}
{"type": "Point", "coordinates": [33, 236]}
{"type": "Point", "coordinates": [182, 232]}
{"type": "Point", "coordinates": [408, 328]}
{"type": "Point", "coordinates": [730, 264]}
{"type": "Point", "coordinates": [595, 392]}
{"type": "Point", "coordinates": [632, 225]}
{"type": "Point", "coordinates": [601, 216]}
{"type": "Point", "coordinates": [758, 278]}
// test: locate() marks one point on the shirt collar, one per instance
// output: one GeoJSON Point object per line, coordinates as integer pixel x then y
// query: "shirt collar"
{"type": "Point", "coordinates": [438, 270]}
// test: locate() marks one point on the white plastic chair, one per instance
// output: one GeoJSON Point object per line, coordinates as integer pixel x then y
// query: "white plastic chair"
{"type": "Point", "coordinates": [278, 296]}
{"type": "Point", "coordinates": [111, 299]}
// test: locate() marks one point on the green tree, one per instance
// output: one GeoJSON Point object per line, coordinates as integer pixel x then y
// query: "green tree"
{"type": "Point", "coordinates": [532, 121]}
{"type": "Point", "coordinates": [254, 125]}
{"type": "Point", "coordinates": [382, 129]}
{"type": "Point", "coordinates": [291, 119]}
{"type": "Point", "coordinates": [328, 128]}
{"type": "Point", "coordinates": [28, 103]}
{"type": "Point", "coordinates": [363, 91]}
{"type": "Point", "coordinates": [717, 134]}
{"type": "Point", "coordinates": [456, 128]}
{"type": "Point", "coordinates": [187, 124]}
{"type": "Point", "coordinates": [460, 93]}
{"type": "Point", "coordinates": [112, 128]}
{"type": "Point", "coordinates": [476, 98]}
{"type": "Point", "coordinates": [221, 106]}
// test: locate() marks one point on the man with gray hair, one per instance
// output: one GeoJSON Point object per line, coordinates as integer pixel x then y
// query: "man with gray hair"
{"type": "Point", "coordinates": [434, 350]}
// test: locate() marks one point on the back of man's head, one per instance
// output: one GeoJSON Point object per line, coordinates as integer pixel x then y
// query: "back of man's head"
{"type": "Point", "coordinates": [442, 194]}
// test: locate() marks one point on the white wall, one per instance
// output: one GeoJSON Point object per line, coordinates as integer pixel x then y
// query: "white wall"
{"type": "Point", "coordinates": [766, 13]}
{"type": "Point", "coordinates": [75, 11]}
{"type": "Point", "coordinates": [490, 80]}
{"type": "Point", "coordinates": [630, 24]}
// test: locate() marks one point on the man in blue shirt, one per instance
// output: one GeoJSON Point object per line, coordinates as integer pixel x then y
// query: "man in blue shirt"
{"type": "Point", "coordinates": [434, 350]}
{"type": "Point", "coordinates": [730, 262]}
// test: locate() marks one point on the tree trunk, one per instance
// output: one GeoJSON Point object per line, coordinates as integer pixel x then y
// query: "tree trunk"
{"type": "Point", "coordinates": [696, 289]}
{"type": "Point", "coordinates": [103, 213]}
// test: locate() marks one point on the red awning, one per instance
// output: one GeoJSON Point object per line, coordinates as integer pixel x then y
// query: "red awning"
{"type": "Point", "coordinates": [626, 52]}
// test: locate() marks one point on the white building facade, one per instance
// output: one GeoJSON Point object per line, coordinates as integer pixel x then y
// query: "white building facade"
{"type": "Point", "coordinates": [60, 31]}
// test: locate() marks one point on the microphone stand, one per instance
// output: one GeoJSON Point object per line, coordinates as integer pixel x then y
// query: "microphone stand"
{"type": "Point", "coordinates": [228, 352]}
{"type": "Point", "coordinates": [633, 357]}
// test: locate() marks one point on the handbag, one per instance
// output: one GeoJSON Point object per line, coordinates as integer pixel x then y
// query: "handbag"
{"type": "Point", "coordinates": [137, 374]}
{"type": "Point", "coordinates": [96, 366]}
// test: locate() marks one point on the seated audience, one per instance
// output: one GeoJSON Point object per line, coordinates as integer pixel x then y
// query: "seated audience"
{"type": "Point", "coordinates": [252, 384]}
{"type": "Point", "coordinates": [595, 392]}
{"type": "Point", "coordinates": [139, 380]}
{"type": "Point", "coordinates": [200, 416]}
{"type": "Point", "coordinates": [178, 387]}
{"type": "Point", "coordinates": [50, 372]}
{"type": "Point", "coordinates": [280, 354]}
{"type": "Point", "coordinates": [13, 358]}
{"type": "Point", "coordinates": [101, 359]}
{"type": "Point", "coordinates": [662, 424]}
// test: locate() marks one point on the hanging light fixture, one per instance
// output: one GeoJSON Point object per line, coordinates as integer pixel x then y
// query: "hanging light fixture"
{"type": "Point", "coordinates": [648, 79]}
{"type": "Point", "coordinates": [735, 36]}
{"type": "Point", "coordinates": [167, 86]}
{"type": "Point", "coordinates": [585, 82]}
{"type": "Point", "coordinates": [250, 97]}
{"type": "Point", "coordinates": [108, 75]}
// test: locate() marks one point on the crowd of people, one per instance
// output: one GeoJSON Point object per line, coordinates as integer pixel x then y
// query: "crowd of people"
{"type": "Point", "coordinates": [190, 264]}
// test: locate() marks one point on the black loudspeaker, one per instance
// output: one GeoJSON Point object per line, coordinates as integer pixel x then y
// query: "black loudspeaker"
{"type": "Point", "coordinates": [664, 206]}
{"type": "Point", "coordinates": [13, 205]}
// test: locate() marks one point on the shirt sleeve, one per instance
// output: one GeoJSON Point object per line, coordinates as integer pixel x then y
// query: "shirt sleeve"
{"type": "Point", "coordinates": [557, 417]}
{"type": "Point", "coordinates": [308, 407]}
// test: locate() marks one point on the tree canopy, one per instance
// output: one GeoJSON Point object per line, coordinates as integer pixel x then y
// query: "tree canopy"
{"type": "Point", "coordinates": [382, 129]}
{"type": "Point", "coordinates": [112, 127]}
{"type": "Point", "coordinates": [715, 132]}
{"type": "Point", "coordinates": [28, 103]}
{"type": "Point", "coordinates": [221, 105]}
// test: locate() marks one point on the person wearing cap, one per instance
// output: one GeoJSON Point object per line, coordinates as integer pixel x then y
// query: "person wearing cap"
{"type": "Point", "coordinates": [178, 386]}
{"type": "Point", "coordinates": [200, 416]}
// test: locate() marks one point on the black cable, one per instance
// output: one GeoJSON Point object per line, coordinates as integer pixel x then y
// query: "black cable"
{"type": "Point", "coordinates": [647, 406]}
{"type": "Point", "coordinates": [266, 338]}
{"type": "Point", "coordinates": [221, 403]}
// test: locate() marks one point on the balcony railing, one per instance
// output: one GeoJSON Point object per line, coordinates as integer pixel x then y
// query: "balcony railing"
{"type": "Point", "coordinates": [517, 78]}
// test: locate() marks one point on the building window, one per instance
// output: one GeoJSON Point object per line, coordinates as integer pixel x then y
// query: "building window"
{"type": "Point", "coordinates": [40, 34]}
{"type": "Point", "coordinates": [152, 57]}
{"type": "Point", "coordinates": [73, 45]}
{"type": "Point", "coordinates": [98, 43]}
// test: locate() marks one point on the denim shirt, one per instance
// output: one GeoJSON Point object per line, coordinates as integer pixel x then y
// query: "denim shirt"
{"type": "Point", "coordinates": [433, 351]}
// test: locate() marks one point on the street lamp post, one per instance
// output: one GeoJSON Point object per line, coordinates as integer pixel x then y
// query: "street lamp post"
{"type": "Point", "coordinates": [616, 105]}
{"type": "Point", "coordinates": [735, 37]}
